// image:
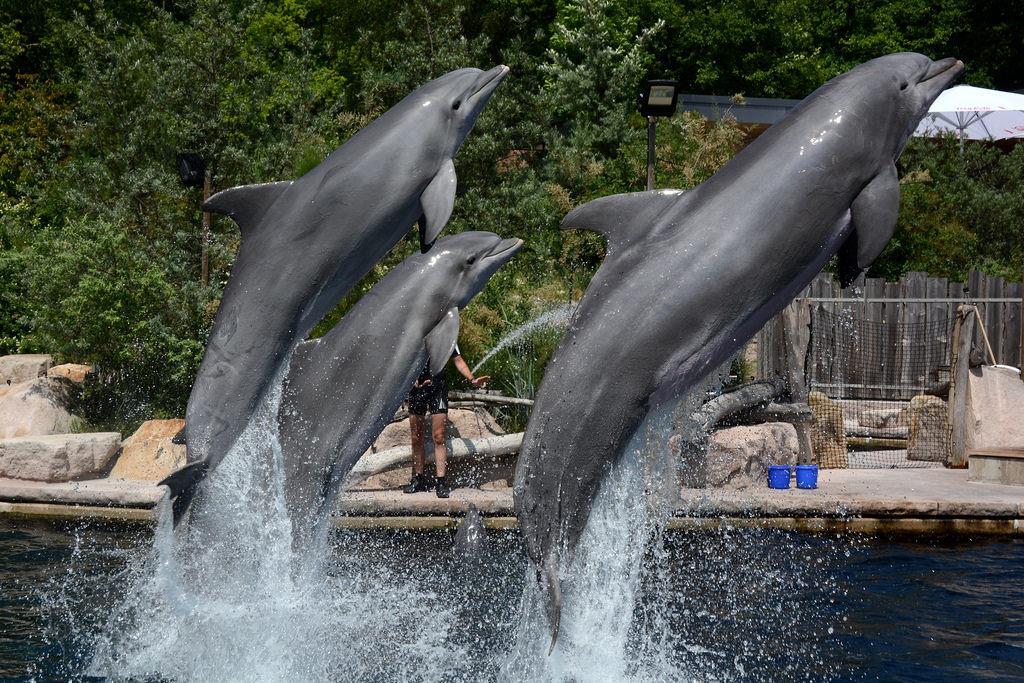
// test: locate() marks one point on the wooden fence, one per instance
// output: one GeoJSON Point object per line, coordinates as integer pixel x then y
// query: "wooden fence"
{"type": "Point", "coordinates": [914, 321]}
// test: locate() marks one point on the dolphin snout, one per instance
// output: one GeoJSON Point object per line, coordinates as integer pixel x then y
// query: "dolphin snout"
{"type": "Point", "coordinates": [490, 79]}
{"type": "Point", "coordinates": [939, 75]}
{"type": "Point", "coordinates": [511, 245]}
{"type": "Point", "coordinates": [941, 66]}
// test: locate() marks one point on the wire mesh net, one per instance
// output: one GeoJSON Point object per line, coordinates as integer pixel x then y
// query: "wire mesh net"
{"type": "Point", "coordinates": [877, 390]}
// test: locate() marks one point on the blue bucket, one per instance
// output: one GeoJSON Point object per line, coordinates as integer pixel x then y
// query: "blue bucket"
{"type": "Point", "coordinates": [807, 476]}
{"type": "Point", "coordinates": [778, 476]}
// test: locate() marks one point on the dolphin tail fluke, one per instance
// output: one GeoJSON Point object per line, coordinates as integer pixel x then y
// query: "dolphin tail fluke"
{"type": "Point", "coordinates": [183, 482]}
{"type": "Point", "coordinates": [554, 595]}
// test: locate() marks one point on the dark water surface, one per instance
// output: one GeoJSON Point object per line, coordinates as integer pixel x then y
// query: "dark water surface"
{"type": "Point", "coordinates": [734, 605]}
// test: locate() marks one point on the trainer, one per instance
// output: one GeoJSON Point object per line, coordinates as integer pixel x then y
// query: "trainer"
{"type": "Point", "coordinates": [430, 395]}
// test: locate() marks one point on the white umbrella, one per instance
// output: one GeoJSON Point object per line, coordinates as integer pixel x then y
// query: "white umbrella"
{"type": "Point", "coordinates": [975, 114]}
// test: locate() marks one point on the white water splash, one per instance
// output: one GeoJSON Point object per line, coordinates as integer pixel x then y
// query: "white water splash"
{"type": "Point", "coordinates": [224, 598]}
{"type": "Point", "coordinates": [558, 317]}
{"type": "Point", "coordinates": [601, 585]}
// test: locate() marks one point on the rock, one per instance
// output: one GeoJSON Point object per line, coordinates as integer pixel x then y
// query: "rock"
{"type": "Point", "coordinates": [23, 367]}
{"type": "Point", "coordinates": [995, 408]}
{"type": "Point", "coordinates": [394, 435]}
{"type": "Point", "coordinates": [58, 457]}
{"type": "Point", "coordinates": [738, 457]}
{"type": "Point", "coordinates": [465, 424]}
{"type": "Point", "coordinates": [928, 438]}
{"type": "Point", "coordinates": [828, 433]}
{"type": "Point", "coordinates": [472, 424]}
{"type": "Point", "coordinates": [496, 485]}
{"type": "Point", "coordinates": [76, 372]}
{"type": "Point", "coordinates": [148, 454]}
{"type": "Point", "coordinates": [33, 408]}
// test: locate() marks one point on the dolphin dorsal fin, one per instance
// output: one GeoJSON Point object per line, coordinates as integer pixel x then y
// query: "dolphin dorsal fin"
{"type": "Point", "coordinates": [246, 204]}
{"type": "Point", "coordinates": [441, 340]}
{"type": "Point", "coordinates": [621, 217]}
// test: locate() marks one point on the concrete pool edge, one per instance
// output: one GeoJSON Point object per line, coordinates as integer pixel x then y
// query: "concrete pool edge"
{"type": "Point", "coordinates": [932, 526]}
{"type": "Point", "coordinates": [925, 502]}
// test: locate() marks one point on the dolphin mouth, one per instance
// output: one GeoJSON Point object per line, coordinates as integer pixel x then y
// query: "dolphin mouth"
{"type": "Point", "coordinates": [950, 66]}
{"type": "Point", "coordinates": [490, 80]}
{"type": "Point", "coordinates": [938, 77]}
{"type": "Point", "coordinates": [504, 250]}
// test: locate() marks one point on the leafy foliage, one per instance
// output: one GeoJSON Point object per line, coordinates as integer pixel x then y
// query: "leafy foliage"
{"type": "Point", "coordinates": [99, 242]}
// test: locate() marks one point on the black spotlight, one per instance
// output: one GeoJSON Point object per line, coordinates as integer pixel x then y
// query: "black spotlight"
{"type": "Point", "coordinates": [191, 169]}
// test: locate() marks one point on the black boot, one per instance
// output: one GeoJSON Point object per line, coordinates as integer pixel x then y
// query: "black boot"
{"type": "Point", "coordinates": [441, 487]}
{"type": "Point", "coordinates": [419, 482]}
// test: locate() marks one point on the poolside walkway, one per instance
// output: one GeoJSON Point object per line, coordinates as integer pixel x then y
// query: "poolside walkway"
{"type": "Point", "coordinates": [916, 500]}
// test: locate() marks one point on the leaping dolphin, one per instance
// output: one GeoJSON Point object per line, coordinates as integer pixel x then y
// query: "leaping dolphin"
{"type": "Point", "coordinates": [306, 242]}
{"type": "Point", "coordinates": [689, 277]}
{"type": "Point", "coordinates": [344, 388]}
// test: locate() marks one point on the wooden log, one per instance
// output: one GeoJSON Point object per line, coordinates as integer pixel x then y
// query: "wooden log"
{"type": "Point", "coordinates": [793, 413]}
{"type": "Point", "coordinates": [994, 318]}
{"type": "Point", "coordinates": [963, 338]}
{"type": "Point", "coordinates": [492, 446]}
{"type": "Point", "coordinates": [915, 361]}
{"type": "Point", "coordinates": [976, 286]}
{"type": "Point", "coordinates": [938, 339]}
{"type": "Point", "coordinates": [1012, 315]}
{"type": "Point", "coordinates": [490, 398]}
{"type": "Point", "coordinates": [893, 356]}
{"type": "Point", "coordinates": [877, 432]}
{"type": "Point", "coordinates": [742, 398]}
{"type": "Point", "coordinates": [873, 348]}
{"type": "Point", "coordinates": [865, 444]}
{"type": "Point", "coordinates": [796, 320]}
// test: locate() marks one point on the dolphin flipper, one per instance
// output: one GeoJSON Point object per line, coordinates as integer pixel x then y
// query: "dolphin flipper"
{"type": "Point", "coordinates": [441, 340]}
{"type": "Point", "coordinates": [873, 215]}
{"type": "Point", "coordinates": [437, 202]}
{"type": "Point", "coordinates": [246, 204]}
{"type": "Point", "coordinates": [621, 217]}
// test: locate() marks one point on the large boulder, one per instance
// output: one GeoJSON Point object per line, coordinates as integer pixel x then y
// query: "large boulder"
{"type": "Point", "coordinates": [76, 372]}
{"type": "Point", "coordinates": [58, 457]}
{"type": "Point", "coordinates": [148, 454]}
{"type": "Point", "coordinates": [462, 424]}
{"type": "Point", "coordinates": [828, 433]}
{"type": "Point", "coordinates": [928, 429]}
{"type": "Point", "coordinates": [472, 424]}
{"type": "Point", "coordinates": [34, 407]}
{"type": "Point", "coordinates": [738, 457]}
{"type": "Point", "coordinates": [23, 367]}
{"type": "Point", "coordinates": [472, 471]}
{"type": "Point", "coordinates": [995, 408]}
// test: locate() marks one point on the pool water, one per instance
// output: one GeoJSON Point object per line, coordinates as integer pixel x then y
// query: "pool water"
{"type": "Point", "coordinates": [726, 605]}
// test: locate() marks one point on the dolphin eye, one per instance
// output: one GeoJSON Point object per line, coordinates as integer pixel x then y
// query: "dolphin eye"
{"type": "Point", "coordinates": [904, 85]}
{"type": "Point", "coordinates": [471, 260]}
{"type": "Point", "coordinates": [456, 104]}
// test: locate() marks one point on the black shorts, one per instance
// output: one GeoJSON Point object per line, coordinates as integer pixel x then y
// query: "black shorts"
{"type": "Point", "coordinates": [433, 398]}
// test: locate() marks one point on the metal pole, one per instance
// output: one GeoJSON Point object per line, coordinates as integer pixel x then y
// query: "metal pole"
{"type": "Point", "coordinates": [204, 271]}
{"type": "Point", "coordinates": [650, 152]}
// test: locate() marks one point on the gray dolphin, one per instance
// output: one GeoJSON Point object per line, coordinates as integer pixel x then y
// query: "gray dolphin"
{"type": "Point", "coordinates": [689, 277]}
{"type": "Point", "coordinates": [306, 242]}
{"type": "Point", "coordinates": [344, 388]}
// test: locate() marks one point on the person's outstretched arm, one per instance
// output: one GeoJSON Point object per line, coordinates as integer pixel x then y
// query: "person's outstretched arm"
{"type": "Point", "coordinates": [464, 370]}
